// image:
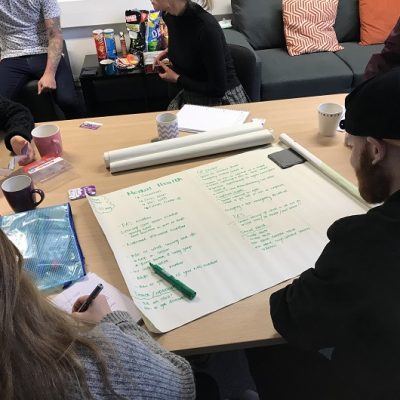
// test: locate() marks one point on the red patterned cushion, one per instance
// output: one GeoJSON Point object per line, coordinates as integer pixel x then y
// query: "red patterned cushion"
{"type": "Point", "coordinates": [308, 26]}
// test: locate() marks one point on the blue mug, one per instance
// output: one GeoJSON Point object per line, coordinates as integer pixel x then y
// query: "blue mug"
{"type": "Point", "coordinates": [108, 67]}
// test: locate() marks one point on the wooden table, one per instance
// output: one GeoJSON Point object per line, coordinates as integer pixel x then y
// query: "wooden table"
{"type": "Point", "coordinates": [243, 324]}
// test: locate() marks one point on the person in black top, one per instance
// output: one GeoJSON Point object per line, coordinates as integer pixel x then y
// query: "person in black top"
{"type": "Point", "coordinates": [388, 58]}
{"type": "Point", "coordinates": [17, 123]}
{"type": "Point", "coordinates": [201, 63]}
{"type": "Point", "coordinates": [347, 307]}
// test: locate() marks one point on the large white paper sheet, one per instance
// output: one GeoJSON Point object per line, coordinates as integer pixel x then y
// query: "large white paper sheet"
{"type": "Point", "coordinates": [228, 229]}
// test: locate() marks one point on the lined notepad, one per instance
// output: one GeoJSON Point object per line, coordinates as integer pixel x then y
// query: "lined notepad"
{"type": "Point", "coordinates": [116, 300]}
{"type": "Point", "coordinates": [193, 118]}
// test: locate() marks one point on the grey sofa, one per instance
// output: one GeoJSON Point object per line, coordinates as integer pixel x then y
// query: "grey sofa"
{"type": "Point", "coordinates": [258, 25]}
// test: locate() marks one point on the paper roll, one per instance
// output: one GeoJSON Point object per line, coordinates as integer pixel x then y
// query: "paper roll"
{"type": "Point", "coordinates": [150, 148]}
{"type": "Point", "coordinates": [226, 144]}
{"type": "Point", "coordinates": [324, 168]}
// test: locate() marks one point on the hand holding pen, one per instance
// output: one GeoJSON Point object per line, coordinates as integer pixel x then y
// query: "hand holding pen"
{"type": "Point", "coordinates": [96, 307]}
{"type": "Point", "coordinates": [96, 291]}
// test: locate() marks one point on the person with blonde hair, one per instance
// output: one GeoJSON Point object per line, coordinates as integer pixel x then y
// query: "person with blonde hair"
{"type": "Point", "coordinates": [47, 354]}
{"type": "Point", "coordinates": [206, 4]}
{"type": "Point", "coordinates": [202, 66]}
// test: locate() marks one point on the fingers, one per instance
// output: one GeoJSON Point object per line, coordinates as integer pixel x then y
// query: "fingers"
{"type": "Point", "coordinates": [22, 148]}
{"type": "Point", "coordinates": [156, 61]}
{"type": "Point", "coordinates": [97, 310]}
{"type": "Point", "coordinates": [78, 302]}
{"type": "Point", "coordinates": [168, 75]}
{"type": "Point", "coordinates": [46, 84]}
{"type": "Point", "coordinates": [29, 155]}
{"type": "Point", "coordinates": [164, 75]}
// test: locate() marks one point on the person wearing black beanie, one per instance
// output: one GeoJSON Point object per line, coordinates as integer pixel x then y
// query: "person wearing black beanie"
{"type": "Point", "coordinates": [347, 306]}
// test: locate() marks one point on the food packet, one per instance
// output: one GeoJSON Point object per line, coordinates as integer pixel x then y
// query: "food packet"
{"type": "Point", "coordinates": [153, 33]}
{"type": "Point", "coordinates": [136, 30]}
{"type": "Point", "coordinates": [132, 20]}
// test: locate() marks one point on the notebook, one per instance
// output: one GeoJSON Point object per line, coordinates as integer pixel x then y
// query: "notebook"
{"type": "Point", "coordinates": [47, 240]}
{"type": "Point", "coordinates": [193, 118]}
{"type": "Point", "coordinates": [116, 300]}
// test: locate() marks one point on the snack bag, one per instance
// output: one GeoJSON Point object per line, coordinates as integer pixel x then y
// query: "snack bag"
{"type": "Point", "coordinates": [135, 29]}
{"type": "Point", "coordinates": [132, 20]}
{"type": "Point", "coordinates": [153, 34]}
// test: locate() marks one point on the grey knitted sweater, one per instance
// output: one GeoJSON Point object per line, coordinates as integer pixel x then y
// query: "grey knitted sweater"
{"type": "Point", "coordinates": [138, 368]}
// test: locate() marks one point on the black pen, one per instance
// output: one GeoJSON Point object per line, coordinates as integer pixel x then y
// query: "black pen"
{"type": "Point", "coordinates": [91, 297]}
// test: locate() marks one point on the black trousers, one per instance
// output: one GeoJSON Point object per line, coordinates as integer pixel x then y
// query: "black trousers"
{"type": "Point", "coordinates": [17, 71]}
{"type": "Point", "coordinates": [206, 387]}
{"type": "Point", "coordinates": [283, 372]}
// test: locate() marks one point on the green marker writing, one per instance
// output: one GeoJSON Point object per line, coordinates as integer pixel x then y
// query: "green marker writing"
{"type": "Point", "coordinates": [176, 283]}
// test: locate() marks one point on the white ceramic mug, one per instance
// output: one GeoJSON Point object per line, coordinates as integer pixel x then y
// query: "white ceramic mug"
{"type": "Point", "coordinates": [329, 116]}
{"type": "Point", "coordinates": [47, 139]}
{"type": "Point", "coordinates": [167, 126]}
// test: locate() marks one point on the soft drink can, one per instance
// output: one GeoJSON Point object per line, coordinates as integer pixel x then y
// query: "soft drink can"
{"type": "Point", "coordinates": [98, 37]}
{"type": "Point", "coordinates": [110, 44]}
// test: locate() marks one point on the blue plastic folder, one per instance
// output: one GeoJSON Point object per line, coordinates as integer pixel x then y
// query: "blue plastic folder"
{"type": "Point", "coordinates": [47, 239]}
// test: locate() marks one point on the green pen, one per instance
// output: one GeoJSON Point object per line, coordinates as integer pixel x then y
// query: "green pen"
{"type": "Point", "coordinates": [176, 283]}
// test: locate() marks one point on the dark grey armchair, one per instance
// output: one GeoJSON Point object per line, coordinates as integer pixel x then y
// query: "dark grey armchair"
{"type": "Point", "coordinates": [248, 70]}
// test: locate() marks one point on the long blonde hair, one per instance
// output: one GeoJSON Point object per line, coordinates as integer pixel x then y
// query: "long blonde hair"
{"type": "Point", "coordinates": [209, 4]}
{"type": "Point", "coordinates": [206, 4]}
{"type": "Point", "coordinates": [38, 360]}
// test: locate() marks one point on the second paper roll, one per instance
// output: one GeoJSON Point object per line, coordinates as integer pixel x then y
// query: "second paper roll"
{"type": "Point", "coordinates": [151, 148]}
{"type": "Point", "coordinates": [243, 141]}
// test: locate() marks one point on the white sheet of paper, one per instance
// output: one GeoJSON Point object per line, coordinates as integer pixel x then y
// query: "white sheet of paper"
{"type": "Point", "coordinates": [228, 230]}
{"type": "Point", "coordinates": [193, 118]}
{"type": "Point", "coordinates": [117, 300]}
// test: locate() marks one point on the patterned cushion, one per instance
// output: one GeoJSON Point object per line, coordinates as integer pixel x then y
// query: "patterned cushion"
{"type": "Point", "coordinates": [308, 26]}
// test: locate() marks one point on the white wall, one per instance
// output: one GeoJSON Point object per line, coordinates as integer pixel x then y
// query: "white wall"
{"type": "Point", "coordinates": [80, 17]}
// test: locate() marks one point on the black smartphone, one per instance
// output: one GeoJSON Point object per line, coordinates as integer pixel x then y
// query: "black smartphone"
{"type": "Point", "coordinates": [286, 158]}
{"type": "Point", "coordinates": [158, 69]}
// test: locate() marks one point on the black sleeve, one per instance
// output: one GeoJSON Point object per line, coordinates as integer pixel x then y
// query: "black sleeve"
{"type": "Point", "coordinates": [307, 311]}
{"type": "Point", "coordinates": [212, 48]}
{"type": "Point", "coordinates": [15, 119]}
{"type": "Point", "coordinates": [388, 58]}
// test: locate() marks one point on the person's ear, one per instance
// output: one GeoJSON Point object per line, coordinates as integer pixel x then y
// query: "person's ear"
{"type": "Point", "coordinates": [377, 149]}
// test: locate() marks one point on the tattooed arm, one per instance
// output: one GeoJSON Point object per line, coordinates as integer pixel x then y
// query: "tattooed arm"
{"type": "Point", "coordinates": [48, 81]}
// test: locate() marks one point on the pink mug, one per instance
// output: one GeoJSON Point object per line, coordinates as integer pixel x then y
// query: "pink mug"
{"type": "Point", "coordinates": [47, 139]}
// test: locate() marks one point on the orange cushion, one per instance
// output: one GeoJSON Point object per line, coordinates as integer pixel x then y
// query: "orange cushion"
{"type": "Point", "coordinates": [308, 26]}
{"type": "Point", "coordinates": [377, 19]}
